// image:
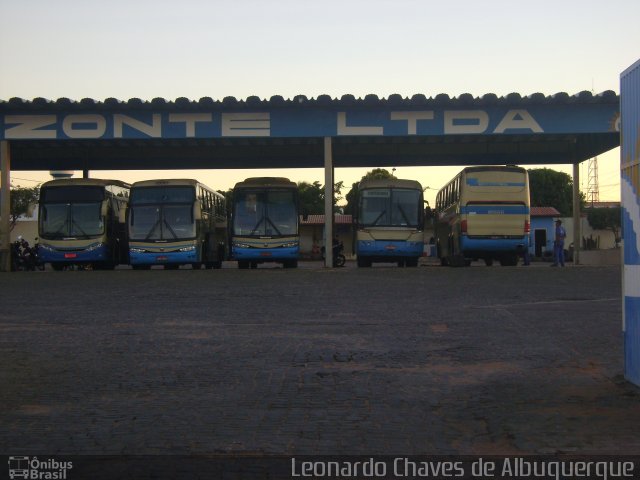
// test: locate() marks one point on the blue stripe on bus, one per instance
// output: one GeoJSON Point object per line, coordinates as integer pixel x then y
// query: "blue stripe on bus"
{"type": "Point", "coordinates": [474, 182]}
{"type": "Point", "coordinates": [495, 209]}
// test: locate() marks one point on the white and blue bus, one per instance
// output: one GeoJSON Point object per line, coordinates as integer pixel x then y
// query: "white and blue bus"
{"type": "Point", "coordinates": [176, 222]}
{"type": "Point", "coordinates": [389, 223]}
{"type": "Point", "coordinates": [483, 213]}
{"type": "Point", "coordinates": [78, 222]}
{"type": "Point", "coordinates": [265, 222]}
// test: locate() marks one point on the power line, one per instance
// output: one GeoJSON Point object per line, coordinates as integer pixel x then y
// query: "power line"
{"type": "Point", "coordinates": [26, 179]}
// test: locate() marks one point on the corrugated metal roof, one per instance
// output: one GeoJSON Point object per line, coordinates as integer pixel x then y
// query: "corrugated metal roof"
{"type": "Point", "coordinates": [418, 100]}
{"type": "Point", "coordinates": [544, 212]}
{"type": "Point", "coordinates": [319, 220]}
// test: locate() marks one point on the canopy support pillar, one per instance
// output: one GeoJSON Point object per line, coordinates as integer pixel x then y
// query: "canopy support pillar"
{"type": "Point", "coordinates": [328, 203]}
{"type": "Point", "coordinates": [5, 207]}
{"type": "Point", "coordinates": [577, 224]}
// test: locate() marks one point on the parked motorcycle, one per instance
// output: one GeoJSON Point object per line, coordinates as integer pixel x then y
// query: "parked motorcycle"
{"type": "Point", "coordinates": [24, 257]}
{"type": "Point", "coordinates": [338, 256]}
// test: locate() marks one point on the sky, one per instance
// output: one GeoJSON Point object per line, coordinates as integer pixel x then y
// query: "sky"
{"type": "Point", "coordinates": [217, 48]}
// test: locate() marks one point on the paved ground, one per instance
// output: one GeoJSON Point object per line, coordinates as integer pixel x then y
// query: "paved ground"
{"type": "Point", "coordinates": [429, 360]}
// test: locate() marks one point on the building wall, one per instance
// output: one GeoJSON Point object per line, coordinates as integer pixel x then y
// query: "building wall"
{"type": "Point", "coordinates": [541, 223]}
{"type": "Point", "coordinates": [311, 240]}
{"type": "Point", "coordinates": [606, 238]}
{"type": "Point", "coordinates": [28, 229]}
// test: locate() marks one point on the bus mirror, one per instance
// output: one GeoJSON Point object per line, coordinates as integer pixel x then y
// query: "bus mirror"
{"type": "Point", "coordinates": [104, 210]}
{"type": "Point", "coordinates": [122, 215]}
{"type": "Point", "coordinates": [197, 214]}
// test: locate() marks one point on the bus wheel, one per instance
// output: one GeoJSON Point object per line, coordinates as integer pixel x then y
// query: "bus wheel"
{"type": "Point", "coordinates": [217, 264]}
{"type": "Point", "coordinates": [488, 262]}
{"type": "Point", "coordinates": [171, 266]}
{"type": "Point", "coordinates": [58, 267]}
{"type": "Point", "coordinates": [196, 266]}
{"type": "Point", "coordinates": [141, 267]}
{"type": "Point", "coordinates": [401, 263]}
{"type": "Point", "coordinates": [411, 262]}
{"type": "Point", "coordinates": [254, 265]}
{"type": "Point", "coordinates": [243, 264]}
{"type": "Point", "coordinates": [290, 264]}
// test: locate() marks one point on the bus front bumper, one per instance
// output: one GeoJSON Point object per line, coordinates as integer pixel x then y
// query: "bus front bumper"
{"type": "Point", "coordinates": [389, 248]}
{"type": "Point", "coordinates": [505, 245]}
{"type": "Point", "coordinates": [139, 256]}
{"type": "Point", "coordinates": [265, 254]}
{"type": "Point", "coordinates": [96, 252]}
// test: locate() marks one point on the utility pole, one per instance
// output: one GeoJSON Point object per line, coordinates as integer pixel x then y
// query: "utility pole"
{"type": "Point", "coordinates": [593, 190]}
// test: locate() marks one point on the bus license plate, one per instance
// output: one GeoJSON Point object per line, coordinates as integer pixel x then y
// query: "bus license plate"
{"type": "Point", "coordinates": [390, 247]}
{"type": "Point", "coordinates": [70, 255]}
{"type": "Point", "coordinates": [265, 254]}
{"type": "Point", "coordinates": [161, 259]}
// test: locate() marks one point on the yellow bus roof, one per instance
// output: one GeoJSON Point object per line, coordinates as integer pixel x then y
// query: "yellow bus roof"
{"type": "Point", "coordinates": [165, 181]}
{"type": "Point", "coordinates": [87, 182]}
{"type": "Point", "coordinates": [389, 183]}
{"type": "Point", "coordinates": [266, 182]}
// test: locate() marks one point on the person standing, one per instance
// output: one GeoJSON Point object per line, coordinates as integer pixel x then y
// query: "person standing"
{"type": "Point", "coordinates": [558, 245]}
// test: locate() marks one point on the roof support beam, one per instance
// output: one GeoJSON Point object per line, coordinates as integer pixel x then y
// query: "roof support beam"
{"type": "Point", "coordinates": [5, 207]}
{"type": "Point", "coordinates": [328, 203]}
{"type": "Point", "coordinates": [577, 224]}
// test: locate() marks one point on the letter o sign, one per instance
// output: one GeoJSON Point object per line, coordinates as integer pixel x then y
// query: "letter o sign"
{"type": "Point", "coordinates": [84, 126]}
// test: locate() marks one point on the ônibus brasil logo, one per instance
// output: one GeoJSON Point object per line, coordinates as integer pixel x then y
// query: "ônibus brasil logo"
{"type": "Point", "coordinates": [32, 468]}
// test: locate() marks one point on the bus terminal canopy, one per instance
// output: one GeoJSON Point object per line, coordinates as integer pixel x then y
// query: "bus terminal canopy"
{"type": "Point", "coordinates": [279, 133]}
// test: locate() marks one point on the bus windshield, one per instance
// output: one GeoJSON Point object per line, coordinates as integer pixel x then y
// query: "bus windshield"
{"type": "Point", "coordinates": [76, 220]}
{"type": "Point", "coordinates": [162, 214]}
{"type": "Point", "coordinates": [265, 213]}
{"type": "Point", "coordinates": [386, 207]}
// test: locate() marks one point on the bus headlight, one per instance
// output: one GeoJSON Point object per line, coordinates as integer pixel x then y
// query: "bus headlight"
{"type": "Point", "coordinates": [241, 245]}
{"type": "Point", "coordinates": [44, 246]}
{"type": "Point", "coordinates": [190, 248]}
{"type": "Point", "coordinates": [289, 245]}
{"type": "Point", "coordinates": [137, 250]}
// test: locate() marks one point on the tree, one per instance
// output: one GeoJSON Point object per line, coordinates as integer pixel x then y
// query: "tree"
{"type": "Point", "coordinates": [352, 196]}
{"type": "Point", "coordinates": [22, 201]}
{"type": "Point", "coordinates": [550, 188]}
{"type": "Point", "coordinates": [312, 197]}
{"type": "Point", "coordinates": [606, 219]}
